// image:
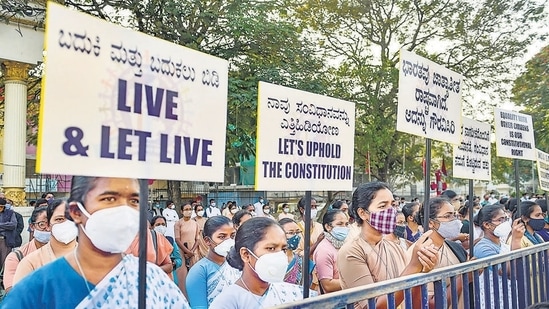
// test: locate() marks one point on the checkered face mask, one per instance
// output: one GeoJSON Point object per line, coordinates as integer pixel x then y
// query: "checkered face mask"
{"type": "Point", "coordinates": [384, 221]}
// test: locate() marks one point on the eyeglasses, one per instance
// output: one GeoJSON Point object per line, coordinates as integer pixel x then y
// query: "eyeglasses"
{"type": "Point", "coordinates": [293, 233]}
{"type": "Point", "coordinates": [449, 217]}
{"type": "Point", "coordinates": [41, 224]}
{"type": "Point", "coordinates": [501, 220]}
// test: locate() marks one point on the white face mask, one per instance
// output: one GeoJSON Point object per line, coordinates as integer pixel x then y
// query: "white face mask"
{"type": "Point", "coordinates": [42, 236]}
{"type": "Point", "coordinates": [233, 211]}
{"type": "Point", "coordinates": [187, 213]}
{"type": "Point", "coordinates": [223, 248]}
{"type": "Point", "coordinates": [286, 210]}
{"type": "Point", "coordinates": [314, 212]}
{"type": "Point", "coordinates": [271, 267]}
{"type": "Point", "coordinates": [261, 201]}
{"type": "Point", "coordinates": [450, 230]}
{"type": "Point", "coordinates": [200, 213]}
{"type": "Point", "coordinates": [111, 229]}
{"type": "Point", "coordinates": [161, 229]}
{"type": "Point", "coordinates": [213, 204]}
{"type": "Point", "coordinates": [266, 211]}
{"type": "Point", "coordinates": [502, 231]}
{"type": "Point", "coordinates": [65, 232]}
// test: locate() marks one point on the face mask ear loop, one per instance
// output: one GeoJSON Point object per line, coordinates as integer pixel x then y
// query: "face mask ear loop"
{"type": "Point", "coordinates": [86, 213]}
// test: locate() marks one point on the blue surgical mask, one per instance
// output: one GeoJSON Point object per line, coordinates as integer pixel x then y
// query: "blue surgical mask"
{"type": "Point", "coordinates": [8, 206]}
{"type": "Point", "coordinates": [340, 232]}
{"type": "Point", "coordinates": [293, 242]}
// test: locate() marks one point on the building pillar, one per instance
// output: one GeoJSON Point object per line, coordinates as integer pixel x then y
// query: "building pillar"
{"type": "Point", "coordinates": [15, 130]}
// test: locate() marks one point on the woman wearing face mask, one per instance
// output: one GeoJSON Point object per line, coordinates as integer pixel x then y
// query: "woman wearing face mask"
{"type": "Point", "coordinates": [294, 272]}
{"type": "Point", "coordinates": [39, 225]}
{"type": "Point", "coordinates": [445, 225]}
{"type": "Point", "coordinates": [267, 212]}
{"type": "Point", "coordinates": [399, 235]}
{"type": "Point", "coordinates": [199, 218]}
{"type": "Point", "coordinates": [62, 241]}
{"type": "Point", "coordinates": [259, 253]}
{"type": "Point", "coordinates": [336, 229]}
{"type": "Point", "coordinates": [413, 225]}
{"type": "Point", "coordinates": [158, 224]}
{"type": "Point", "coordinates": [231, 210]}
{"type": "Point", "coordinates": [209, 276]}
{"type": "Point", "coordinates": [497, 227]}
{"type": "Point", "coordinates": [533, 219]}
{"type": "Point", "coordinates": [187, 236]}
{"type": "Point", "coordinates": [285, 212]}
{"type": "Point", "coordinates": [369, 258]}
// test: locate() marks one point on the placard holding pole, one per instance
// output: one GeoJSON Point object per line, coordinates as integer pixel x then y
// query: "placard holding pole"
{"type": "Point", "coordinates": [132, 106]}
{"type": "Point", "coordinates": [305, 141]}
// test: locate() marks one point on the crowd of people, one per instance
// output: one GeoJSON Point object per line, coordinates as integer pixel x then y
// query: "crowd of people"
{"type": "Point", "coordinates": [251, 256]}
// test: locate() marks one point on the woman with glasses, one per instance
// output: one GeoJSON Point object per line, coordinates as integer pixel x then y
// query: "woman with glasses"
{"type": "Point", "coordinates": [336, 230]}
{"type": "Point", "coordinates": [446, 226]}
{"type": "Point", "coordinates": [62, 241]}
{"type": "Point", "coordinates": [209, 276]}
{"type": "Point", "coordinates": [39, 225]}
{"type": "Point", "coordinates": [496, 227]}
{"type": "Point", "coordinates": [294, 272]}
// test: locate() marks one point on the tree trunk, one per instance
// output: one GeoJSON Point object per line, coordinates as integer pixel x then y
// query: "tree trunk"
{"type": "Point", "coordinates": [174, 193]}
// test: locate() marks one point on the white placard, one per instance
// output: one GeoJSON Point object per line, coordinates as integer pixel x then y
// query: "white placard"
{"type": "Point", "coordinates": [305, 141]}
{"type": "Point", "coordinates": [116, 102]}
{"type": "Point", "coordinates": [471, 158]}
{"type": "Point", "coordinates": [514, 135]}
{"type": "Point", "coordinates": [543, 169]}
{"type": "Point", "coordinates": [429, 99]}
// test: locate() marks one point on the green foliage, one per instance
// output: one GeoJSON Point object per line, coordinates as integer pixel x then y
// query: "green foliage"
{"type": "Point", "coordinates": [531, 91]}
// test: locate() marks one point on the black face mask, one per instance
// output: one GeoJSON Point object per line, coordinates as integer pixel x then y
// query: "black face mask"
{"type": "Point", "coordinates": [400, 231]}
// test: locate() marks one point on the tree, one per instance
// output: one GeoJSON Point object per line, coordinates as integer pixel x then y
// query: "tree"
{"type": "Point", "coordinates": [480, 40]}
{"type": "Point", "coordinates": [531, 91]}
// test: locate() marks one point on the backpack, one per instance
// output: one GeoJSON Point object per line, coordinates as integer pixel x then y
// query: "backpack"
{"type": "Point", "coordinates": [457, 249]}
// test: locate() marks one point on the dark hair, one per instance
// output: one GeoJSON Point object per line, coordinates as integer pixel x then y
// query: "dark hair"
{"type": "Point", "coordinates": [463, 210]}
{"type": "Point", "coordinates": [46, 194]}
{"type": "Point", "coordinates": [511, 205]}
{"type": "Point", "coordinates": [247, 236]}
{"type": "Point", "coordinates": [238, 216]}
{"type": "Point", "coordinates": [168, 202]}
{"type": "Point", "coordinates": [527, 208]}
{"type": "Point", "coordinates": [363, 196]}
{"type": "Point", "coordinates": [337, 204]}
{"type": "Point", "coordinates": [450, 194]}
{"type": "Point", "coordinates": [80, 186]}
{"type": "Point", "coordinates": [153, 220]}
{"type": "Point", "coordinates": [486, 214]}
{"type": "Point", "coordinates": [213, 224]}
{"type": "Point", "coordinates": [435, 204]}
{"type": "Point", "coordinates": [301, 202]}
{"type": "Point", "coordinates": [542, 203]}
{"type": "Point", "coordinates": [285, 221]}
{"type": "Point", "coordinates": [198, 205]}
{"type": "Point", "coordinates": [3, 201]}
{"type": "Point", "coordinates": [408, 209]}
{"type": "Point", "coordinates": [53, 205]}
{"type": "Point", "coordinates": [212, 199]}
{"type": "Point", "coordinates": [503, 200]}
{"type": "Point", "coordinates": [36, 212]}
{"type": "Point", "coordinates": [329, 217]}
{"type": "Point", "coordinates": [42, 201]}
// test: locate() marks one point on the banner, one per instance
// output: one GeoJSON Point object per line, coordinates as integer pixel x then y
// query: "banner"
{"type": "Point", "coordinates": [429, 99]}
{"type": "Point", "coordinates": [116, 102]}
{"type": "Point", "coordinates": [472, 157]}
{"type": "Point", "coordinates": [305, 141]}
{"type": "Point", "coordinates": [514, 135]}
{"type": "Point", "coordinates": [543, 169]}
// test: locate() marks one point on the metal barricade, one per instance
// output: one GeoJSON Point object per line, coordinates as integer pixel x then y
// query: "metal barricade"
{"type": "Point", "coordinates": [512, 280]}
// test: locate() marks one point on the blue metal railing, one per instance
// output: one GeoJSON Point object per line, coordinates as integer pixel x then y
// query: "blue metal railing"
{"type": "Point", "coordinates": [518, 279]}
